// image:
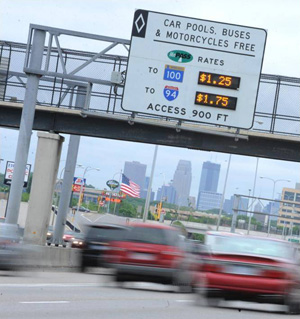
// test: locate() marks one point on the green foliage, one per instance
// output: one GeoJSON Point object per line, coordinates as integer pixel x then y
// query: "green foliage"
{"type": "Point", "coordinates": [2, 180]}
{"type": "Point", "coordinates": [127, 209]}
{"type": "Point", "coordinates": [199, 237]}
{"type": "Point", "coordinates": [25, 197]}
{"type": "Point", "coordinates": [92, 206]}
{"type": "Point", "coordinates": [215, 211]}
{"type": "Point", "coordinates": [28, 189]}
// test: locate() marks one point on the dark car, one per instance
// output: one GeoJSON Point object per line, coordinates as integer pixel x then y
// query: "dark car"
{"type": "Point", "coordinates": [250, 268]}
{"type": "Point", "coordinates": [81, 209]}
{"type": "Point", "coordinates": [97, 243]}
{"type": "Point", "coordinates": [68, 237]}
{"type": "Point", "coordinates": [49, 235]}
{"type": "Point", "coordinates": [11, 249]}
{"type": "Point", "coordinates": [78, 240]}
{"type": "Point", "coordinates": [152, 253]}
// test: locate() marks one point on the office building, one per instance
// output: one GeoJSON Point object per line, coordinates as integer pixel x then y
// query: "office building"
{"type": "Point", "coordinates": [209, 200]}
{"type": "Point", "coordinates": [136, 172]}
{"type": "Point", "coordinates": [182, 182]}
{"type": "Point", "coordinates": [143, 193]}
{"type": "Point", "coordinates": [166, 193]}
{"type": "Point", "coordinates": [289, 210]}
{"type": "Point", "coordinates": [209, 177]}
{"type": "Point", "coordinates": [259, 217]}
{"type": "Point", "coordinates": [208, 184]}
{"type": "Point", "coordinates": [192, 202]}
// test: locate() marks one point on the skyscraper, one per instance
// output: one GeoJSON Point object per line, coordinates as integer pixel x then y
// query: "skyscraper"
{"type": "Point", "coordinates": [136, 172]}
{"type": "Point", "coordinates": [209, 177]}
{"type": "Point", "coordinates": [166, 193]}
{"type": "Point", "coordinates": [209, 185]}
{"type": "Point", "coordinates": [182, 182]}
{"type": "Point", "coordinates": [145, 190]}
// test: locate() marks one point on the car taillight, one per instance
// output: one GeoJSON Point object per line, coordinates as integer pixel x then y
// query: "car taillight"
{"type": "Point", "coordinates": [210, 267]}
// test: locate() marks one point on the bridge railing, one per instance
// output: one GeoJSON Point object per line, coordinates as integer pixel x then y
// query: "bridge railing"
{"type": "Point", "coordinates": [277, 109]}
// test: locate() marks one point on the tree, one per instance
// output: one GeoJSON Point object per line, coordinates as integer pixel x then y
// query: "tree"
{"type": "Point", "coordinates": [127, 210]}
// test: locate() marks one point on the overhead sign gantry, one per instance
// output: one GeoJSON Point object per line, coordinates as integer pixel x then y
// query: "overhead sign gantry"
{"type": "Point", "coordinates": [193, 70]}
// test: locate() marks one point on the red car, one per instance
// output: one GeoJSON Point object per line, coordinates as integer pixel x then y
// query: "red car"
{"type": "Point", "coordinates": [151, 253]}
{"type": "Point", "coordinates": [247, 268]}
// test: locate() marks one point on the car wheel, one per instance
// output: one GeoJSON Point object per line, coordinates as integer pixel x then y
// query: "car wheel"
{"type": "Point", "coordinates": [119, 279]}
{"type": "Point", "coordinates": [212, 302]}
{"type": "Point", "coordinates": [204, 298]}
{"type": "Point", "coordinates": [293, 301]}
{"type": "Point", "coordinates": [182, 279]}
{"type": "Point", "coordinates": [83, 267]}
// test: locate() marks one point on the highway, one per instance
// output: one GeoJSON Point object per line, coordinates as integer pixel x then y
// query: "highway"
{"type": "Point", "coordinates": [43, 294]}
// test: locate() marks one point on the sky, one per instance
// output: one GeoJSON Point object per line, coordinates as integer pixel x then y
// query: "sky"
{"type": "Point", "coordinates": [281, 19]}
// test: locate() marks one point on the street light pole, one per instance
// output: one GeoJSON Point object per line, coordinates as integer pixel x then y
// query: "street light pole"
{"type": "Point", "coordinates": [253, 194]}
{"type": "Point", "coordinates": [273, 192]}
{"type": "Point", "coordinates": [146, 208]}
{"type": "Point", "coordinates": [223, 195]}
{"type": "Point", "coordinates": [87, 169]}
{"type": "Point", "coordinates": [118, 186]}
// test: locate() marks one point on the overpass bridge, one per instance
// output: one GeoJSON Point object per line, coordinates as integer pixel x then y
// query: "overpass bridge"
{"type": "Point", "coordinates": [275, 133]}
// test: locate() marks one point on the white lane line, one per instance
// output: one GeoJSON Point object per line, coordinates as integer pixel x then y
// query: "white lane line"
{"type": "Point", "coordinates": [48, 285]}
{"type": "Point", "coordinates": [42, 302]}
{"type": "Point", "coordinates": [86, 218]}
{"type": "Point", "coordinates": [184, 300]}
{"type": "Point", "coordinates": [99, 218]}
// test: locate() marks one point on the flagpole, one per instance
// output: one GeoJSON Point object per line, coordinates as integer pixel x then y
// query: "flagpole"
{"type": "Point", "coordinates": [118, 186]}
{"type": "Point", "coordinates": [146, 209]}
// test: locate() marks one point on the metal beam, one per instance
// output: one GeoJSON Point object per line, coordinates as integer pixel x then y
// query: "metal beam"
{"type": "Point", "coordinates": [71, 122]}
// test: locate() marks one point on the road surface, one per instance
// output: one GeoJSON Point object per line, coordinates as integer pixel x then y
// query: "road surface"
{"type": "Point", "coordinates": [67, 295]}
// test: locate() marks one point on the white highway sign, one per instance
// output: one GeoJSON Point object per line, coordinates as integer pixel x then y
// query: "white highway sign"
{"type": "Point", "coordinates": [193, 70]}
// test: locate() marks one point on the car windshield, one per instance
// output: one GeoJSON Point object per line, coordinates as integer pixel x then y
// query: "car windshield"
{"type": "Point", "coordinates": [151, 235]}
{"type": "Point", "coordinates": [106, 233]}
{"type": "Point", "coordinates": [249, 246]}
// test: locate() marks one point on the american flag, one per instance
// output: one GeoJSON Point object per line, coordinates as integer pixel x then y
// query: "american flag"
{"type": "Point", "coordinates": [129, 187]}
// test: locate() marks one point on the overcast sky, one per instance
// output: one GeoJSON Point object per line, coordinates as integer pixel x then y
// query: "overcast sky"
{"type": "Point", "coordinates": [281, 19]}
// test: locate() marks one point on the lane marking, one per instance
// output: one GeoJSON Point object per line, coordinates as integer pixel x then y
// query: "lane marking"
{"type": "Point", "coordinates": [42, 302]}
{"type": "Point", "coordinates": [86, 218]}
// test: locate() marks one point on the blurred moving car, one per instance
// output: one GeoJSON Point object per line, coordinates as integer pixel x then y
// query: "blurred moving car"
{"type": "Point", "coordinates": [11, 250]}
{"type": "Point", "coordinates": [78, 240]}
{"type": "Point", "coordinates": [152, 253]}
{"type": "Point", "coordinates": [81, 209]}
{"type": "Point", "coordinates": [49, 235]}
{"type": "Point", "coordinates": [69, 236]}
{"type": "Point", "coordinates": [250, 269]}
{"type": "Point", "coordinates": [97, 244]}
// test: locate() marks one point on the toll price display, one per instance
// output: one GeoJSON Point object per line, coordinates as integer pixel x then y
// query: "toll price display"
{"type": "Point", "coordinates": [216, 100]}
{"type": "Point", "coordinates": [219, 80]}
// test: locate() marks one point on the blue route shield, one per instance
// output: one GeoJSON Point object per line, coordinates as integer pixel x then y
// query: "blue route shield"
{"type": "Point", "coordinates": [171, 92]}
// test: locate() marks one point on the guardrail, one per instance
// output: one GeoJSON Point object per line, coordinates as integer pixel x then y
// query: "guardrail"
{"type": "Point", "coordinates": [277, 109]}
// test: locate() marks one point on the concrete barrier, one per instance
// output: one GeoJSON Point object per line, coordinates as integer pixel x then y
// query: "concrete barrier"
{"type": "Point", "coordinates": [51, 256]}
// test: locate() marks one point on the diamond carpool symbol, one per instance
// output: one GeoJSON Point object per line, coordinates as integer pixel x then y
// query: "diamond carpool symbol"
{"type": "Point", "coordinates": [140, 23]}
